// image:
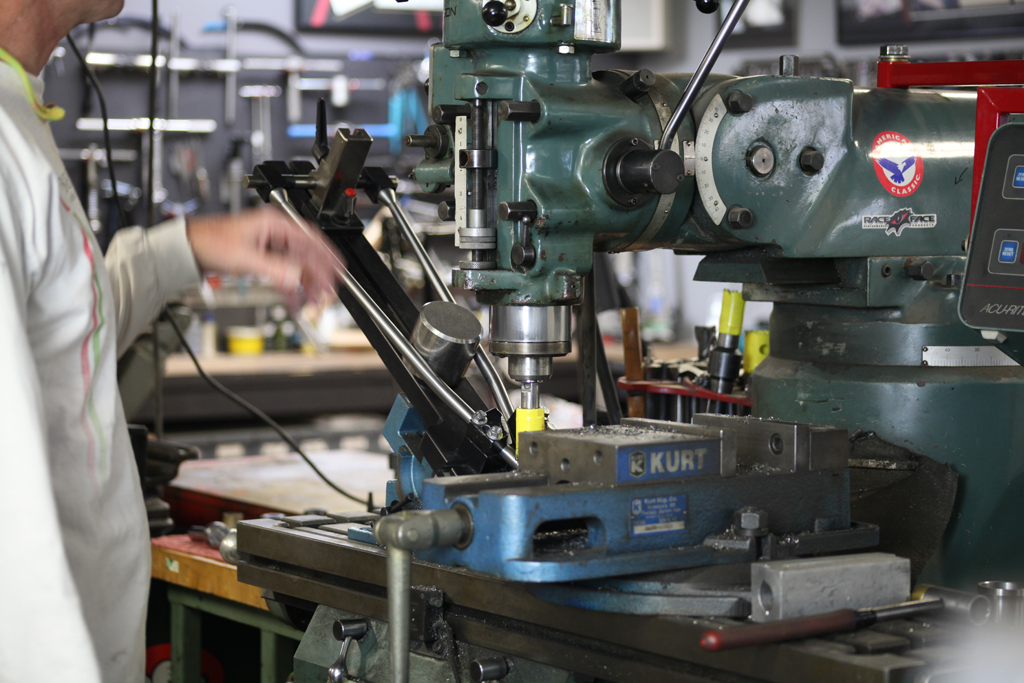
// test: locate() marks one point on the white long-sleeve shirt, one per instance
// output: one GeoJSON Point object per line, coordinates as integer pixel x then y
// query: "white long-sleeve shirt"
{"type": "Point", "coordinates": [74, 545]}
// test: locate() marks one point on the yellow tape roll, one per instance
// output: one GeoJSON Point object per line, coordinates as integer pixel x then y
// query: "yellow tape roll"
{"type": "Point", "coordinates": [731, 321]}
{"type": "Point", "coordinates": [528, 420]}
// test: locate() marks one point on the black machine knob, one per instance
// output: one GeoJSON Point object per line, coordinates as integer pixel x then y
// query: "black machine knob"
{"type": "Point", "coordinates": [637, 85]}
{"type": "Point", "coordinates": [523, 256]}
{"type": "Point", "coordinates": [651, 171]}
{"type": "Point", "coordinates": [707, 6]}
{"type": "Point", "coordinates": [494, 669]}
{"type": "Point", "coordinates": [446, 210]}
{"type": "Point", "coordinates": [739, 102]}
{"type": "Point", "coordinates": [494, 13]}
{"type": "Point", "coordinates": [811, 160]}
{"type": "Point", "coordinates": [919, 269]}
{"type": "Point", "coordinates": [350, 628]}
{"type": "Point", "coordinates": [518, 211]}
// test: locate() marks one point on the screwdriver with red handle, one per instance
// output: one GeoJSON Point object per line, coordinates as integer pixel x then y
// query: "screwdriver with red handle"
{"type": "Point", "coordinates": [840, 621]}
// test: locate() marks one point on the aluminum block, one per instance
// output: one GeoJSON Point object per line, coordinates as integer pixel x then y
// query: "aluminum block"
{"type": "Point", "coordinates": [784, 589]}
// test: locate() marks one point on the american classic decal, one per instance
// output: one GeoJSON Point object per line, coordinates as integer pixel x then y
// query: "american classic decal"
{"type": "Point", "coordinates": [897, 163]}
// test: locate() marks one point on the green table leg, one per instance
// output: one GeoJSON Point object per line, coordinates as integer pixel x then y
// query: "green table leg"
{"type": "Point", "coordinates": [276, 657]}
{"type": "Point", "coordinates": [186, 643]}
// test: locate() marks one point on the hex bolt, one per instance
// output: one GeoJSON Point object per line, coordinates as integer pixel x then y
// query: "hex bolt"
{"type": "Point", "coordinates": [740, 218]}
{"type": "Point", "coordinates": [446, 210]}
{"type": "Point", "coordinates": [479, 418]}
{"type": "Point", "coordinates": [739, 102]}
{"type": "Point", "coordinates": [750, 521]}
{"type": "Point", "coordinates": [811, 160]}
{"type": "Point", "coordinates": [789, 65]}
{"type": "Point", "coordinates": [637, 84]}
{"type": "Point", "coordinates": [919, 269]}
{"type": "Point", "coordinates": [894, 53]}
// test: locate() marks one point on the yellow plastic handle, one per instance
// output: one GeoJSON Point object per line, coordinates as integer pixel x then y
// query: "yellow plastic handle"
{"type": "Point", "coordinates": [731, 321]}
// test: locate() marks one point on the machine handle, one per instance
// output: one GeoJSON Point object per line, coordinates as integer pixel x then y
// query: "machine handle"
{"type": "Point", "coordinates": [840, 621]}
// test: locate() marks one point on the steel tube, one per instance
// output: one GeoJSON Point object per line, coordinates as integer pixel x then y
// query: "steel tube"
{"type": "Point", "coordinates": [701, 74]}
{"type": "Point", "coordinates": [588, 352]}
{"type": "Point", "coordinates": [279, 198]}
{"type": "Point", "coordinates": [483, 360]}
{"type": "Point", "coordinates": [399, 583]}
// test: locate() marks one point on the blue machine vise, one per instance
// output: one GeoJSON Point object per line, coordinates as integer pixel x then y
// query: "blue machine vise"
{"type": "Point", "coordinates": [643, 496]}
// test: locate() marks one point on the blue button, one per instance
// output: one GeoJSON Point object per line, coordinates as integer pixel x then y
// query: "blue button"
{"type": "Point", "coordinates": [1008, 251]}
{"type": "Point", "coordinates": [1018, 177]}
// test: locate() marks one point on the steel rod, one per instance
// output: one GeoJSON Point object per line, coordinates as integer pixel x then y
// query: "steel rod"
{"type": "Point", "coordinates": [588, 352]}
{"type": "Point", "coordinates": [279, 198]}
{"type": "Point", "coordinates": [483, 360]}
{"type": "Point", "coordinates": [701, 74]}
{"type": "Point", "coordinates": [399, 588]}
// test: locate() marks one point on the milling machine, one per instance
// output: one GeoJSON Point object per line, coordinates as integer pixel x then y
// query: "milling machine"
{"type": "Point", "coordinates": [571, 555]}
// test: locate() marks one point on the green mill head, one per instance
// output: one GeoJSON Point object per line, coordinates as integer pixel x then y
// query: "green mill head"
{"type": "Point", "coordinates": [550, 162]}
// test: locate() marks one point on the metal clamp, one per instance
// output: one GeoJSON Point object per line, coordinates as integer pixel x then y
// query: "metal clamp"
{"type": "Point", "coordinates": [345, 630]}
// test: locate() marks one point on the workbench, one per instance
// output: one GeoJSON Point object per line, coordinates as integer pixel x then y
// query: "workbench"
{"type": "Point", "coordinates": [201, 582]}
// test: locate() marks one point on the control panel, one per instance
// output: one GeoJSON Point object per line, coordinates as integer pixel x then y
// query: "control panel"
{"type": "Point", "coordinates": [993, 292]}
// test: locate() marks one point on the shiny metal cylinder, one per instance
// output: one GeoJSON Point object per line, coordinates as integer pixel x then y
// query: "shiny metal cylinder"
{"type": "Point", "coordinates": [483, 361]}
{"type": "Point", "coordinates": [1007, 599]}
{"type": "Point", "coordinates": [447, 336]}
{"type": "Point", "coordinates": [530, 396]}
{"type": "Point", "coordinates": [530, 330]}
{"type": "Point", "coordinates": [529, 369]}
{"type": "Point", "coordinates": [977, 609]}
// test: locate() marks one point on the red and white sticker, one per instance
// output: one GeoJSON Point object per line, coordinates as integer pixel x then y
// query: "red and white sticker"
{"type": "Point", "coordinates": [897, 163]}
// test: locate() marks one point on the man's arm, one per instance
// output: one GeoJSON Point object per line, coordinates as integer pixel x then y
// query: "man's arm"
{"type": "Point", "coordinates": [146, 268]}
{"type": "Point", "coordinates": [149, 267]}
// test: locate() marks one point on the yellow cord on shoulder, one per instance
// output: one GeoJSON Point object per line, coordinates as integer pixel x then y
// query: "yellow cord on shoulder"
{"type": "Point", "coordinates": [47, 112]}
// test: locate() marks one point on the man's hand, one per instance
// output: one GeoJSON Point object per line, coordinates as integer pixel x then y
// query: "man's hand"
{"type": "Point", "coordinates": [265, 242]}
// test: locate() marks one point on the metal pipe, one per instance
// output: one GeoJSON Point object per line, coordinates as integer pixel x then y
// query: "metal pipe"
{"type": "Point", "coordinates": [279, 198]}
{"type": "Point", "coordinates": [701, 74]}
{"type": "Point", "coordinates": [399, 588]}
{"type": "Point", "coordinates": [401, 533]}
{"type": "Point", "coordinates": [483, 360]}
{"type": "Point", "coordinates": [588, 352]}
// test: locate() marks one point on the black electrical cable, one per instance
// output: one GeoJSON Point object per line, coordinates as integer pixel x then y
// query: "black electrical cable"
{"type": "Point", "coordinates": [254, 411]}
{"type": "Point", "coordinates": [230, 395]}
{"type": "Point", "coordinates": [154, 51]}
{"type": "Point", "coordinates": [122, 218]}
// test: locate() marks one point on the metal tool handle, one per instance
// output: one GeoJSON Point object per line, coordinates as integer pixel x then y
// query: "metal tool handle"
{"type": "Point", "coordinates": [279, 198]}
{"type": "Point", "coordinates": [345, 631]}
{"type": "Point", "coordinates": [840, 621]}
{"type": "Point", "coordinates": [701, 74]}
{"type": "Point", "coordinates": [483, 360]}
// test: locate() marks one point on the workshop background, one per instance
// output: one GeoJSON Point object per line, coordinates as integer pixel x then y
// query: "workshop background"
{"type": "Point", "coordinates": [315, 372]}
